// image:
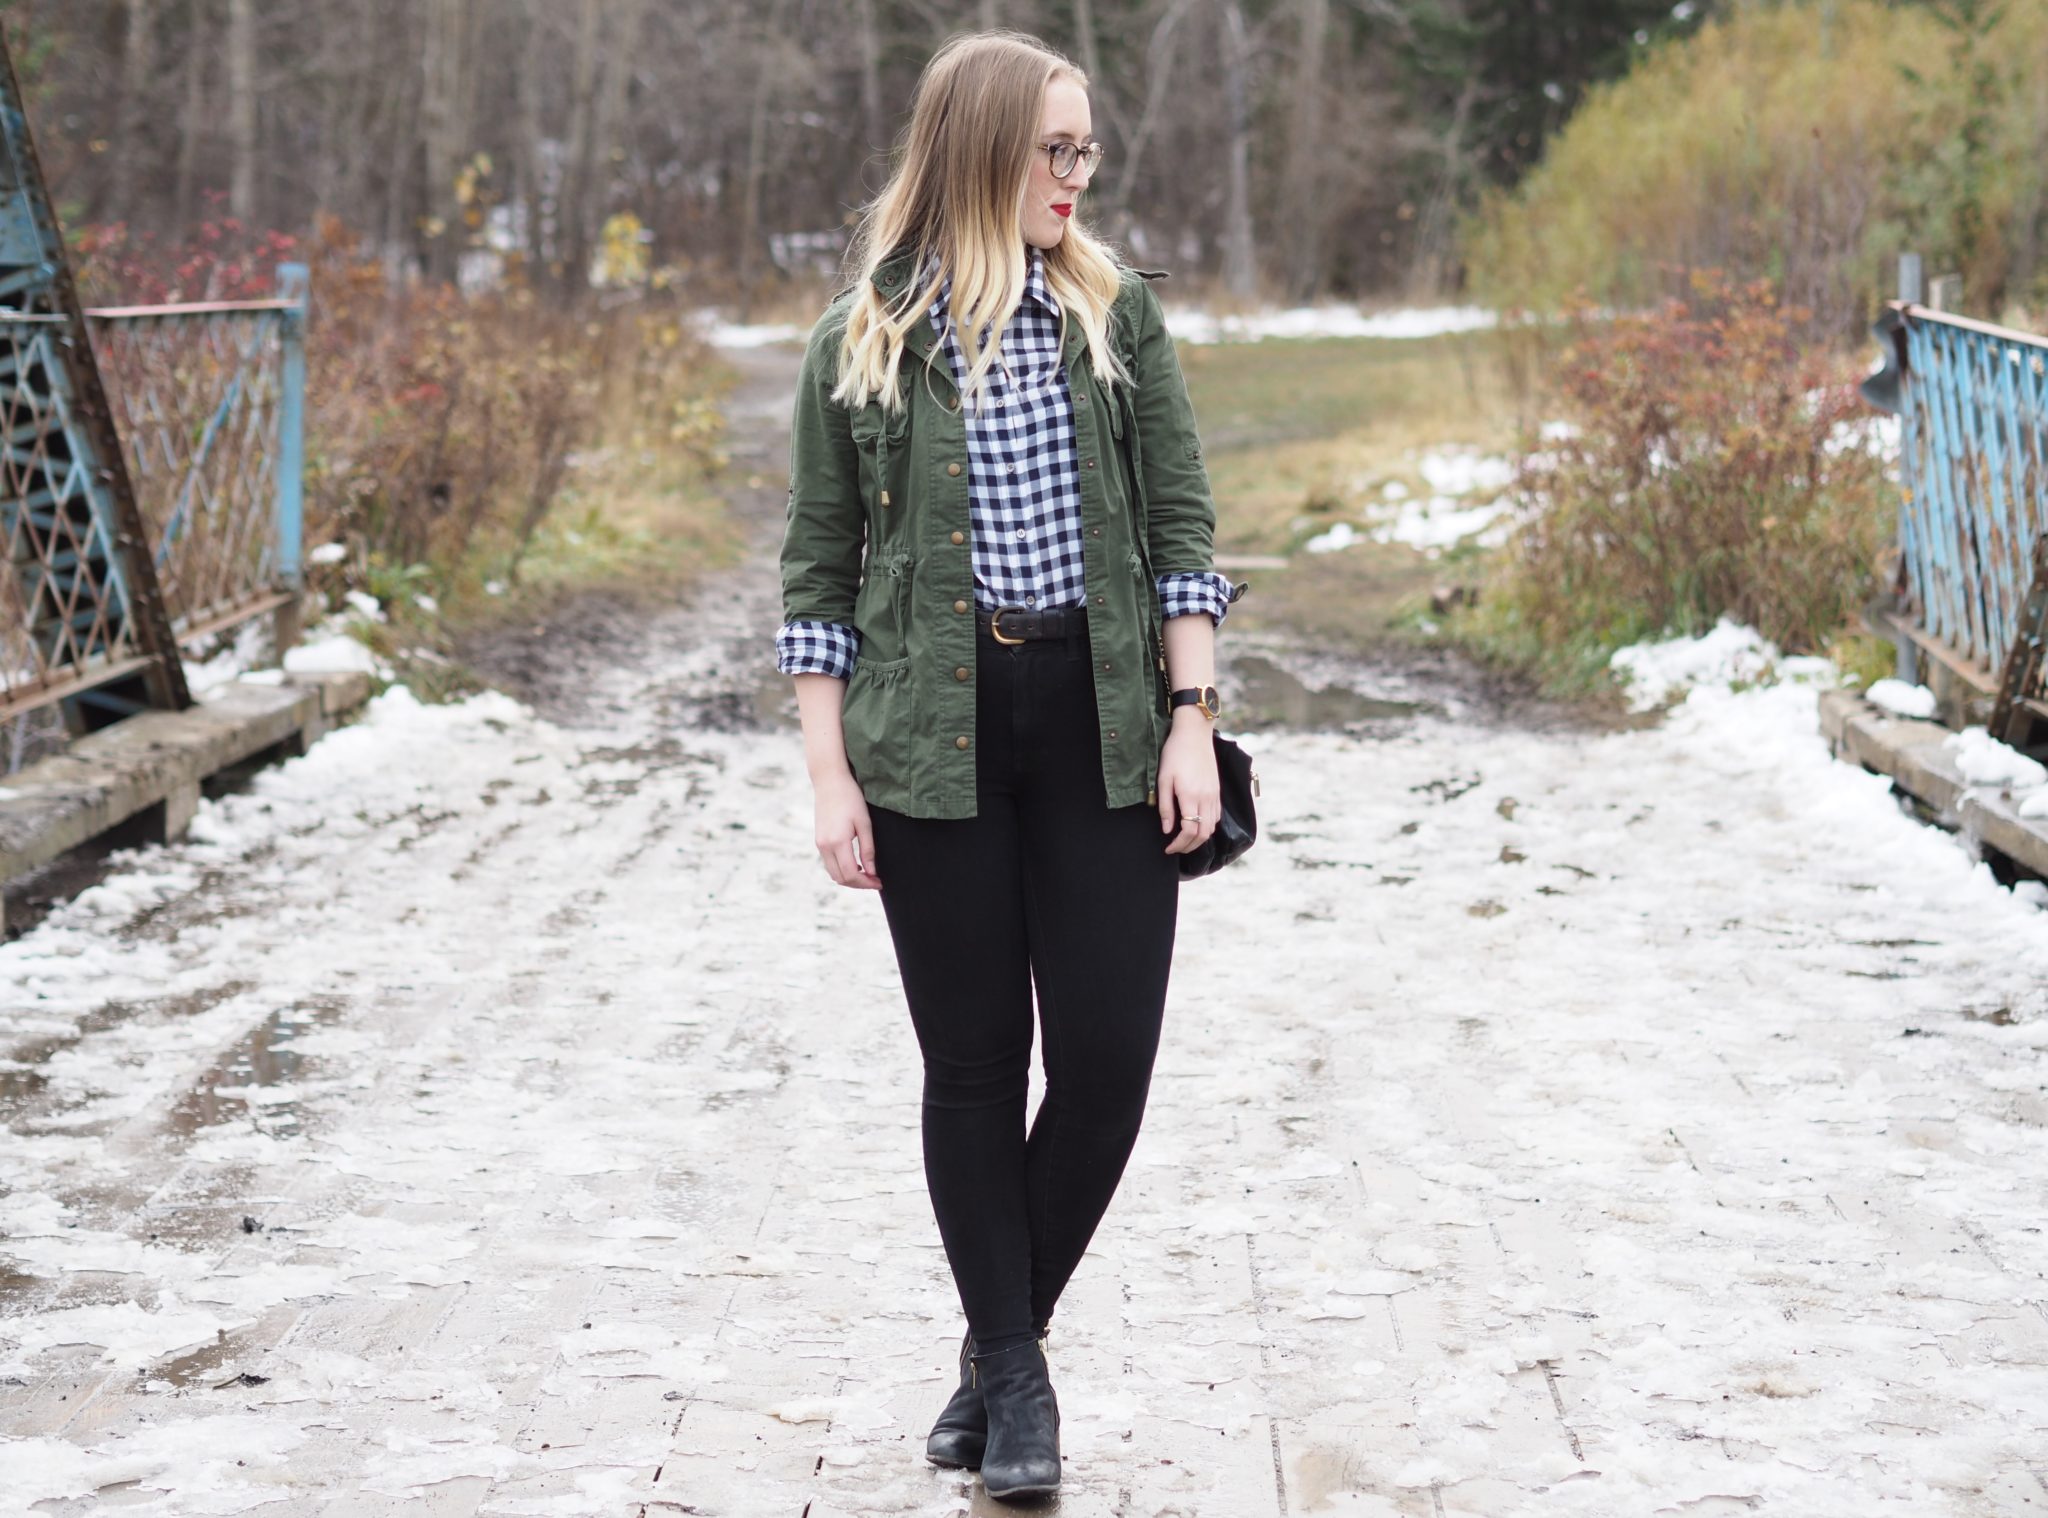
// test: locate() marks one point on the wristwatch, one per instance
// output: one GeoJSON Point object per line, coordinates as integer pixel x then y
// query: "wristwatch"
{"type": "Point", "coordinates": [1202, 696]}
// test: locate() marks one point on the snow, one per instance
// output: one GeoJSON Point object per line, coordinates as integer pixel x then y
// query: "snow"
{"type": "Point", "coordinates": [1466, 485]}
{"type": "Point", "coordinates": [1984, 760]}
{"type": "Point", "coordinates": [1708, 1162]}
{"type": "Point", "coordinates": [337, 652]}
{"type": "Point", "coordinates": [1729, 655]}
{"type": "Point", "coordinates": [1901, 699]}
{"type": "Point", "coordinates": [724, 334]}
{"type": "Point", "coordinates": [1191, 324]}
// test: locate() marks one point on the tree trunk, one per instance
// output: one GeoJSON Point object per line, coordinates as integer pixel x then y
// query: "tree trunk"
{"type": "Point", "coordinates": [242, 109]}
{"type": "Point", "coordinates": [1430, 264]}
{"type": "Point", "coordinates": [1161, 52]}
{"type": "Point", "coordinates": [873, 132]}
{"type": "Point", "coordinates": [757, 159]}
{"type": "Point", "coordinates": [1302, 201]}
{"type": "Point", "coordinates": [607, 130]}
{"type": "Point", "coordinates": [404, 115]}
{"type": "Point", "coordinates": [442, 130]}
{"type": "Point", "coordinates": [572, 202]}
{"type": "Point", "coordinates": [192, 113]}
{"type": "Point", "coordinates": [1084, 41]}
{"type": "Point", "coordinates": [531, 189]}
{"type": "Point", "coordinates": [1240, 261]}
{"type": "Point", "coordinates": [132, 138]}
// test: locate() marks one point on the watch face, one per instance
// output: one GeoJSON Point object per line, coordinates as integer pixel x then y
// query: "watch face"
{"type": "Point", "coordinates": [1212, 702]}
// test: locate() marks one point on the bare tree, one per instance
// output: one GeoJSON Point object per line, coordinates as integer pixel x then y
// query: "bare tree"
{"type": "Point", "coordinates": [1240, 266]}
{"type": "Point", "coordinates": [138, 65]}
{"type": "Point", "coordinates": [1303, 202]}
{"type": "Point", "coordinates": [242, 107]}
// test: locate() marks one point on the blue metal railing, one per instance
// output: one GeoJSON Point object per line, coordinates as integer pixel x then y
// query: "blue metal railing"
{"type": "Point", "coordinates": [150, 467]}
{"type": "Point", "coordinates": [210, 402]}
{"type": "Point", "coordinates": [1972, 399]}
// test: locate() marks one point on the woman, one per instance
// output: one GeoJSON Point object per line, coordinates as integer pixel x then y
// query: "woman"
{"type": "Point", "coordinates": [1000, 613]}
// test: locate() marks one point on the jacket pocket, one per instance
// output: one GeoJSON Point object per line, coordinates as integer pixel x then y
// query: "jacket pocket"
{"type": "Point", "coordinates": [882, 608]}
{"type": "Point", "coordinates": [1124, 423]}
{"type": "Point", "coordinates": [1151, 625]}
{"type": "Point", "coordinates": [877, 434]}
{"type": "Point", "coordinates": [877, 718]}
{"type": "Point", "coordinates": [898, 566]}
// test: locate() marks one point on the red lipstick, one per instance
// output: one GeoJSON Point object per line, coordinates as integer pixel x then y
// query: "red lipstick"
{"type": "Point", "coordinates": [1066, 209]}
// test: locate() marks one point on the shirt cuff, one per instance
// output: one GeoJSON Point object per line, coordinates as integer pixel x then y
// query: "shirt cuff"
{"type": "Point", "coordinates": [1187, 591]}
{"type": "Point", "coordinates": [816, 648]}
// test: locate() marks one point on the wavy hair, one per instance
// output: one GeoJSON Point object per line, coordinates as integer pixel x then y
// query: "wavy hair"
{"type": "Point", "coordinates": [955, 201]}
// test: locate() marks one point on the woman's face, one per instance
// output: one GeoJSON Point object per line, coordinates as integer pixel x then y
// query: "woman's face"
{"type": "Point", "coordinates": [1065, 116]}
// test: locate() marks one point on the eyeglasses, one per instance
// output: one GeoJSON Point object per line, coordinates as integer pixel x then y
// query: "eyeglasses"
{"type": "Point", "coordinates": [1064, 155]}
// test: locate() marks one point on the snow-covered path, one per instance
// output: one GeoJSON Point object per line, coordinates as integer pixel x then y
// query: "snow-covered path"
{"type": "Point", "coordinates": [484, 1115]}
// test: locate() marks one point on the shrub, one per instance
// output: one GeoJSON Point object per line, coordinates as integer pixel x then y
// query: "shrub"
{"type": "Point", "coordinates": [1805, 143]}
{"type": "Point", "coordinates": [440, 427]}
{"type": "Point", "coordinates": [1716, 466]}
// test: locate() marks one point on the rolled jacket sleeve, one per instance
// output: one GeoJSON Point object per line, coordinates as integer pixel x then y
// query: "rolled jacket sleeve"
{"type": "Point", "coordinates": [810, 647]}
{"type": "Point", "coordinates": [826, 531]}
{"type": "Point", "coordinates": [1182, 595]}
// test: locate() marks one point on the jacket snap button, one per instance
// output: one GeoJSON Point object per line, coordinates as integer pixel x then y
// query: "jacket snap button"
{"type": "Point", "coordinates": [1112, 732]}
{"type": "Point", "coordinates": [1089, 463]}
{"type": "Point", "coordinates": [1098, 600]}
{"type": "Point", "coordinates": [961, 741]}
{"type": "Point", "coordinates": [952, 469]}
{"type": "Point", "coordinates": [960, 673]}
{"type": "Point", "coordinates": [959, 537]}
{"type": "Point", "coordinates": [959, 606]}
{"type": "Point", "coordinates": [952, 403]}
{"type": "Point", "coordinates": [1105, 664]}
{"type": "Point", "coordinates": [1095, 532]}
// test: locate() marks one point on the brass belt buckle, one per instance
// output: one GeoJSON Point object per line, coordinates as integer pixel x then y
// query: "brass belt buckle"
{"type": "Point", "coordinates": [995, 624]}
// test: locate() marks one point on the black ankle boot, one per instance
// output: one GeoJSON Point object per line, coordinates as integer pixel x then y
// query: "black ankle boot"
{"type": "Point", "coordinates": [1022, 1455]}
{"type": "Point", "coordinates": [962, 1429]}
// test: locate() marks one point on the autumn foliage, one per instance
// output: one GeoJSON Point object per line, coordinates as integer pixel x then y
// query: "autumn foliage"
{"type": "Point", "coordinates": [1716, 466]}
{"type": "Point", "coordinates": [440, 425]}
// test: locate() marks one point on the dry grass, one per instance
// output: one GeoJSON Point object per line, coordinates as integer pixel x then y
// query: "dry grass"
{"type": "Point", "coordinates": [1298, 434]}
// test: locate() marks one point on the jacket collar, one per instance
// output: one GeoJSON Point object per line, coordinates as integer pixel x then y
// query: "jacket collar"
{"type": "Point", "coordinates": [890, 275]}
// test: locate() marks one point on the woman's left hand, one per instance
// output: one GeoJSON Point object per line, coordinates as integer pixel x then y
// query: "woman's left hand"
{"type": "Point", "coordinates": [1188, 782]}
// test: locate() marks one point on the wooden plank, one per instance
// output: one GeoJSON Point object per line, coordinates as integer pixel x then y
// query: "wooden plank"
{"type": "Point", "coordinates": [1914, 753]}
{"type": "Point", "coordinates": [107, 776]}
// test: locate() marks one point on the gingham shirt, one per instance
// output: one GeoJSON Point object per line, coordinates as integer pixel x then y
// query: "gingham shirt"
{"type": "Point", "coordinates": [1023, 487]}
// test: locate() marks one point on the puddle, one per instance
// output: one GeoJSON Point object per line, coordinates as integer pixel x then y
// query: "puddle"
{"type": "Point", "coordinates": [215, 1366]}
{"type": "Point", "coordinates": [1265, 695]}
{"type": "Point", "coordinates": [768, 706]}
{"type": "Point", "coordinates": [234, 1088]}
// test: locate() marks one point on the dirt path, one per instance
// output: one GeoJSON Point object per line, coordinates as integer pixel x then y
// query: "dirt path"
{"type": "Point", "coordinates": [498, 1111]}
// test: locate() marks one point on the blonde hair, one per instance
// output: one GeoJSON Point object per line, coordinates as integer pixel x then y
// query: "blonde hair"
{"type": "Point", "coordinates": [957, 197]}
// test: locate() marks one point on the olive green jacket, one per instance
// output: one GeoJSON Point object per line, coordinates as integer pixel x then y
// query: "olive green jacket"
{"type": "Point", "coordinates": [878, 537]}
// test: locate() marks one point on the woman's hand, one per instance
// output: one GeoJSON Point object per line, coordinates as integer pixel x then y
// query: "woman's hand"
{"type": "Point", "coordinates": [1188, 782]}
{"type": "Point", "coordinates": [843, 822]}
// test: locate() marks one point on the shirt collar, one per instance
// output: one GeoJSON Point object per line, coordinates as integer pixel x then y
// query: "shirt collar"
{"type": "Point", "coordinates": [1035, 286]}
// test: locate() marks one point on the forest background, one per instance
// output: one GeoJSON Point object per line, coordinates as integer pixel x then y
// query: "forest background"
{"type": "Point", "coordinates": [512, 205]}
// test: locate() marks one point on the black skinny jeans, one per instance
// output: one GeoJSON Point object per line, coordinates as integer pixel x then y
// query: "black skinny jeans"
{"type": "Point", "coordinates": [1045, 885]}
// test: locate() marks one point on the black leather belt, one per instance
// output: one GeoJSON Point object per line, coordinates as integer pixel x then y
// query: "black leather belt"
{"type": "Point", "coordinates": [1020, 624]}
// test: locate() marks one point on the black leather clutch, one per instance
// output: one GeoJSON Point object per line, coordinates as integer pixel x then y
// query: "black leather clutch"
{"type": "Point", "coordinates": [1238, 826]}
